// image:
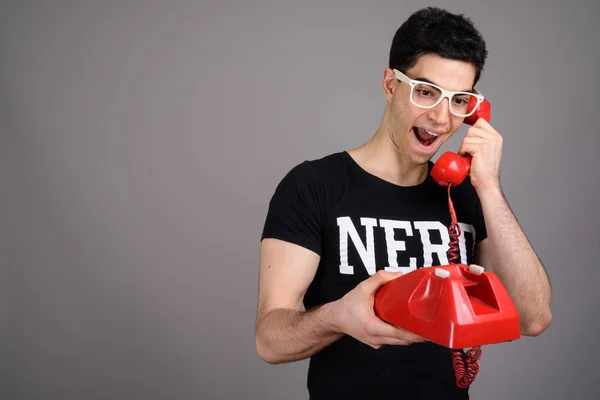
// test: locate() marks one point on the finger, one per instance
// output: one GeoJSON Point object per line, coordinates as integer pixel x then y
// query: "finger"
{"type": "Point", "coordinates": [468, 148]}
{"type": "Point", "coordinates": [393, 341]}
{"type": "Point", "coordinates": [475, 139]}
{"type": "Point", "coordinates": [472, 144]}
{"type": "Point", "coordinates": [482, 123]}
{"type": "Point", "coordinates": [490, 135]}
{"type": "Point", "coordinates": [480, 132]}
{"type": "Point", "coordinates": [380, 329]}
{"type": "Point", "coordinates": [379, 279]}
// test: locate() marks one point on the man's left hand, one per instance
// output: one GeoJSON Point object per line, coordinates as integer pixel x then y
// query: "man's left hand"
{"type": "Point", "coordinates": [484, 144]}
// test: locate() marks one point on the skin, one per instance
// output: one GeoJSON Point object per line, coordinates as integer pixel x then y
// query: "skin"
{"type": "Point", "coordinates": [284, 332]}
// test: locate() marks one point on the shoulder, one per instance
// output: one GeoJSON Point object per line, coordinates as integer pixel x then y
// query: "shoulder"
{"type": "Point", "coordinates": [467, 191]}
{"type": "Point", "coordinates": [316, 184]}
{"type": "Point", "coordinates": [468, 207]}
{"type": "Point", "coordinates": [318, 172]}
{"type": "Point", "coordinates": [464, 197]}
{"type": "Point", "coordinates": [302, 201]}
{"type": "Point", "coordinates": [330, 166]}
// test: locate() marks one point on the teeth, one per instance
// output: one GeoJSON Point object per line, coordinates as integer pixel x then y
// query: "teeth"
{"type": "Point", "coordinates": [431, 133]}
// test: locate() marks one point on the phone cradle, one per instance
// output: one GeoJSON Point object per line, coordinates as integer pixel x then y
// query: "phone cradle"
{"type": "Point", "coordinates": [456, 306]}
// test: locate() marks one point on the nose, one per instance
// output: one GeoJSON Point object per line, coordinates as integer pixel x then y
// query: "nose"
{"type": "Point", "coordinates": [440, 114]}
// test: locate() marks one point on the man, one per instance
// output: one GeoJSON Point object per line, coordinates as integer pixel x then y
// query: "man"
{"type": "Point", "coordinates": [341, 226]}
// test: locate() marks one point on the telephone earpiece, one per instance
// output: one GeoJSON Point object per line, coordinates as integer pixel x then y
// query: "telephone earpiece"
{"type": "Point", "coordinates": [452, 168]}
{"type": "Point", "coordinates": [483, 111]}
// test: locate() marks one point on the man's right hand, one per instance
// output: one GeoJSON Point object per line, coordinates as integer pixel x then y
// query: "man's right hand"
{"type": "Point", "coordinates": [355, 315]}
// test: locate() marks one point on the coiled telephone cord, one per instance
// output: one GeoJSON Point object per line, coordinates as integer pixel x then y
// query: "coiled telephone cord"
{"type": "Point", "coordinates": [465, 366]}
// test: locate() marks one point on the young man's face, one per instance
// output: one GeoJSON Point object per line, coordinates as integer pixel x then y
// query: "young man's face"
{"type": "Point", "coordinates": [409, 122]}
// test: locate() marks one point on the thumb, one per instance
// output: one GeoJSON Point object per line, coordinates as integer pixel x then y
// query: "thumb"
{"type": "Point", "coordinates": [381, 278]}
{"type": "Point", "coordinates": [465, 151]}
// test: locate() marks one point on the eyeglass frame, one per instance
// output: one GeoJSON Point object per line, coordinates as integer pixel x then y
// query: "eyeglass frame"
{"type": "Point", "coordinates": [445, 94]}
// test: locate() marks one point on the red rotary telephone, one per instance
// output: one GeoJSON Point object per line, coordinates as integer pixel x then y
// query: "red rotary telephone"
{"type": "Point", "coordinates": [457, 306]}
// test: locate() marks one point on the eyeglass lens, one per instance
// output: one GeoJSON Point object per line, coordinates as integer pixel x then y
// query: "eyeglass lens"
{"type": "Point", "coordinates": [427, 95]}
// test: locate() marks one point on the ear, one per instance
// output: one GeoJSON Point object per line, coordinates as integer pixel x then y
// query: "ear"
{"type": "Point", "coordinates": [389, 84]}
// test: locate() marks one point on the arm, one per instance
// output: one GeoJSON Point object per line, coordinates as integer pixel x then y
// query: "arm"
{"type": "Point", "coordinates": [283, 331]}
{"type": "Point", "coordinates": [286, 333]}
{"type": "Point", "coordinates": [506, 251]}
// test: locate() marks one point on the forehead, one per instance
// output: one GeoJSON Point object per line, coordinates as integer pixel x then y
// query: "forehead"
{"type": "Point", "coordinates": [450, 74]}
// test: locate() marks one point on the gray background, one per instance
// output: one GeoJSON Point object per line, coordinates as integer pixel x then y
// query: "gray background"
{"type": "Point", "coordinates": [140, 143]}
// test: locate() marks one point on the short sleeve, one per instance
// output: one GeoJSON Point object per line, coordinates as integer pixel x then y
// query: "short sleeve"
{"type": "Point", "coordinates": [469, 209]}
{"type": "Point", "coordinates": [295, 212]}
{"type": "Point", "coordinates": [479, 220]}
{"type": "Point", "coordinates": [476, 216]}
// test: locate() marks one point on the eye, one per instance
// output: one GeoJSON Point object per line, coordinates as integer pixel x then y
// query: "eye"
{"type": "Point", "coordinates": [425, 92]}
{"type": "Point", "coordinates": [460, 102]}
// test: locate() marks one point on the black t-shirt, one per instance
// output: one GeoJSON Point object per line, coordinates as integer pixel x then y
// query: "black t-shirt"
{"type": "Point", "coordinates": [358, 223]}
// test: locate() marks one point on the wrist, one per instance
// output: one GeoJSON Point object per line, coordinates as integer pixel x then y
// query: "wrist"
{"type": "Point", "coordinates": [332, 316]}
{"type": "Point", "coordinates": [490, 192]}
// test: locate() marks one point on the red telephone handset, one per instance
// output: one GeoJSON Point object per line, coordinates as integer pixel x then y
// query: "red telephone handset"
{"type": "Point", "coordinates": [451, 167]}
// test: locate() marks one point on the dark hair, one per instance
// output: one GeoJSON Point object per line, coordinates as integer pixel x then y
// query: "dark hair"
{"type": "Point", "coordinates": [436, 31]}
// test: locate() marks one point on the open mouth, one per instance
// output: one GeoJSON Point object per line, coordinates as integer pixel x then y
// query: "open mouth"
{"type": "Point", "coordinates": [425, 137]}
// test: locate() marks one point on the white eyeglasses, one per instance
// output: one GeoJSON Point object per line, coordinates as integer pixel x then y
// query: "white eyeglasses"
{"type": "Point", "coordinates": [428, 95]}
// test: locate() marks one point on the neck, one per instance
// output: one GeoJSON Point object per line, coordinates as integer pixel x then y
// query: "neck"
{"type": "Point", "coordinates": [382, 158]}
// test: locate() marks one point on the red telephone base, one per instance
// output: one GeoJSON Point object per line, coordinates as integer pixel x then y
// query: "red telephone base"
{"type": "Point", "coordinates": [456, 306]}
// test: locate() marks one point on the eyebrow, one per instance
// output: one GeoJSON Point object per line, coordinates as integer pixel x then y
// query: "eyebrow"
{"type": "Point", "coordinates": [433, 83]}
